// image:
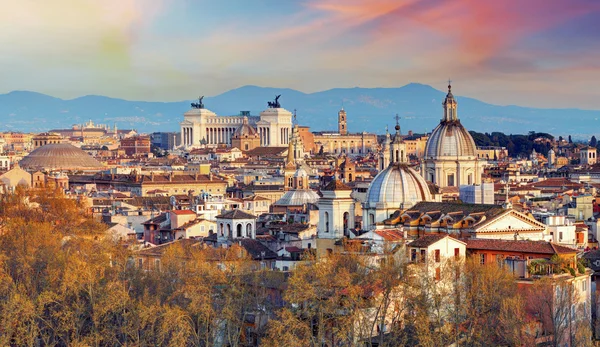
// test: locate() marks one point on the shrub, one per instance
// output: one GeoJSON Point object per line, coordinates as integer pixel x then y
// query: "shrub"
{"type": "Point", "coordinates": [572, 271]}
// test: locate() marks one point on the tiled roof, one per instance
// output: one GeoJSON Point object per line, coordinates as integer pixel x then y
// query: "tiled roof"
{"type": "Point", "coordinates": [427, 240]}
{"type": "Point", "coordinates": [256, 249]}
{"type": "Point", "coordinates": [236, 214]}
{"type": "Point", "coordinates": [161, 218]}
{"type": "Point", "coordinates": [266, 151]}
{"type": "Point", "coordinates": [448, 207]}
{"type": "Point", "coordinates": [390, 234]}
{"type": "Point", "coordinates": [336, 185]}
{"type": "Point", "coordinates": [523, 246]}
{"type": "Point", "coordinates": [183, 212]}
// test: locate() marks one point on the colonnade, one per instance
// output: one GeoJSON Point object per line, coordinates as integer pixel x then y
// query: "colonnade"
{"type": "Point", "coordinates": [188, 136]}
{"type": "Point", "coordinates": [219, 135]}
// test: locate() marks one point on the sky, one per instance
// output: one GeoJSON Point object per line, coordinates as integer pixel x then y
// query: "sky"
{"type": "Point", "coordinates": [539, 53]}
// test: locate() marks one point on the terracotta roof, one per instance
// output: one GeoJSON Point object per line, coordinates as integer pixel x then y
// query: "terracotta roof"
{"type": "Point", "coordinates": [523, 246]}
{"type": "Point", "coordinates": [390, 234]}
{"type": "Point", "coordinates": [236, 214]}
{"type": "Point", "coordinates": [183, 212]}
{"type": "Point", "coordinates": [255, 198]}
{"type": "Point", "coordinates": [449, 207]}
{"type": "Point", "coordinates": [336, 185]}
{"type": "Point", "coordinates": [427, 240]}
{"type": "Point", "coordinates": [266, 151]}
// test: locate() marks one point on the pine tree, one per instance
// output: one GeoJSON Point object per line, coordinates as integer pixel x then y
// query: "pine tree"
{"type": "Point", "coordinates": [593, 141]}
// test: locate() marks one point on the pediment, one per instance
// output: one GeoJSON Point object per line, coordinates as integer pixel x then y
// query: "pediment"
{"type": "Point", "coordinates": [510, 222]}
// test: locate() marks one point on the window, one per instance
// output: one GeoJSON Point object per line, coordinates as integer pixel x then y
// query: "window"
{"type": "Point", "coordinates": [560, 236]}
{"type": "Point", "coordinates": [157, 264]}
{"type": "Point", "coordinates": [451, 180]}
{"type": "Point", "coordinates": [438, 274]}
{"type": "Point", "coordinates": [140, 263]}
{"type": "Point", "coordinates": [482, 259]}
{"type": "Point", "coordinates": [500, 259]}
{"type": "Point", "coordinates": [584, 285]}
{"type": "Point", "coordinates": [326, 215]}
{"type": "Point", "coordinates": [423, 255]}
{"type": "Point", "coordinates": [437, 256]}
{"type": "Point", "coordinates": [457, 253]}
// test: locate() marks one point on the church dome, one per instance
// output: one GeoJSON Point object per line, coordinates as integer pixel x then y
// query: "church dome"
{"type": "Point", "coordinates": [298, 197]}
{"type": "Point", "coordinates": [398, 185]}
{"type": "Point", "coordinates": [245, 130]}
{"type": "Point", "coordinates": [450, 138]}
{"type": "Point", "coordinates": [59, 156]}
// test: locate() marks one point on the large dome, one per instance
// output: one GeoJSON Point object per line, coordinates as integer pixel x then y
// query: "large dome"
{"type": "Point", "coordinates": [59, 156]}
{"type": "Point", "coordinates": [398, 185]}
{"type": "Point", "coordinates": [450, 139]}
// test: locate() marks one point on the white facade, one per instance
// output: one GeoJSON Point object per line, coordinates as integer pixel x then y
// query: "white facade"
{"type": "Point", "coordinates": [450, 153]}
{"type": "Point", "coordinates": [200, 125]}
{"type": "Point", "coordinates": [587, 156]}
{"type": "Point", "coordinates": [336, 214]}
{"type": "Point", "coordinates": [477, 194]}
{"type": "Point", "coordinates": [235, 228]}
{"type": "Point", "coordinates": [562, 231]}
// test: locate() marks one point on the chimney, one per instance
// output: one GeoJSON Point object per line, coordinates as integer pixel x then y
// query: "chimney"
{"type": "Point", "coordinates": [170, 177]}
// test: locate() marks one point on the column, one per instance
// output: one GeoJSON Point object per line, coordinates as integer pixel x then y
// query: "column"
{"type": "Point", "coordinates": [192, 136]}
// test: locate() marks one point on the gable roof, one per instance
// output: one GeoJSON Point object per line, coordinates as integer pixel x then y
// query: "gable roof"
{"type": "Point", "coordinates": [427, 240]}
{"type": "Point", "coordinates": [522, 246]}
{"type": "Point", "coordinates": [257, 250]}
{"type": "Point", "coordinates": [236, 214]}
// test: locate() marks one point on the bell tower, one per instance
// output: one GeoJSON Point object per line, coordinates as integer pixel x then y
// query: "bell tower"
{"type": "Point", "coordinates": [342, 127]}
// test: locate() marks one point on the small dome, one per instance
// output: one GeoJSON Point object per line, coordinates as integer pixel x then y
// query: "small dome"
{"type": "Point", "coordinates": [298, 197]}
{"type": "Point", "coordinates": [59, 156]}
{"type": "Point", "coordinates": [245, 130]}
{"type": "Point", "coordinates": [398, 185]}
{"type": "Point", "coordinates": [450, 139]}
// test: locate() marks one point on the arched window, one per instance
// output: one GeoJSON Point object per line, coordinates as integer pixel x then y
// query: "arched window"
{"type": "Point", "coordinates": [229, 230]}
{"type": "Point", "coordinates": [249, 230]}
{"type": "Point", "coordinates": [239, 230]}
{"type": "Point", "coordinates": [326, 215]}
{"type": "Point", "coordinates": [371, 219]}
{"type": "Point", "coordinates": [222, 229]}
{"type": "Point", "coordinates": [346, 221]}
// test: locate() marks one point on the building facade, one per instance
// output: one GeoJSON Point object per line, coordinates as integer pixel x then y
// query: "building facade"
{"type": "Point", "coordinates": [203, 127]}
{"type": "Point", "coordinates": [451, 154]}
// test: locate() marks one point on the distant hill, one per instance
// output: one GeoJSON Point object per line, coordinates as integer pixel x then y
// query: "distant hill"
{"type": "Point", "coordinates": [369, 109]}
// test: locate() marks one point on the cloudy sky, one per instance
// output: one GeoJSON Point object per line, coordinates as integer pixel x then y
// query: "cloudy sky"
{"type": "Point", "coordinates": [543, 53]}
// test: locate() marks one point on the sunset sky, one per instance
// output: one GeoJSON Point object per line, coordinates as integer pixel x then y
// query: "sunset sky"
{"type": "Point", "coordinates": [543, 53]}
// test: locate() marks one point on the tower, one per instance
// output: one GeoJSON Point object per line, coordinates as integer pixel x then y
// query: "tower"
{"type": "Point", "coordinates": [450, 158]}
{"type": "Point", "coordinates": [336, 211]}
{"type": "Point", "coordinates": [342, 126]}
{"type": "Point", "coordinates": [398, 147]}
{"type": "Point", "coordinates": [295, 156]}
{"type": "Point", "coordinates": [384, 156]}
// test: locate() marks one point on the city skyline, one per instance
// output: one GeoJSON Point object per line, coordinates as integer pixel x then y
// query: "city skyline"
{"type": "Point", "coordinates": [164, 51]}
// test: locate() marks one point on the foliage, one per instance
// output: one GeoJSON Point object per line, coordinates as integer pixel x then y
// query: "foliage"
{"type": "Point", "coordinates": [62, 283]}
{"type": "Point", "coordinates": [517, 145]}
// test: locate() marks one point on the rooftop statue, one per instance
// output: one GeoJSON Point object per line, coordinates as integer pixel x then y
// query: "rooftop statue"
{"type": "Point", "coordinates": [275, 104]}
{"type": "Point", "coordinates": [199, 104]}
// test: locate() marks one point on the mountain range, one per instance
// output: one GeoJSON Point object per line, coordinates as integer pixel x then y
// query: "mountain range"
{"type": "Point", "coordinates": [368, 109]}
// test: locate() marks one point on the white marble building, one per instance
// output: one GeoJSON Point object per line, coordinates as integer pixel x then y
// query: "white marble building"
{"type": "Point", "coordinates": [202, 126]}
